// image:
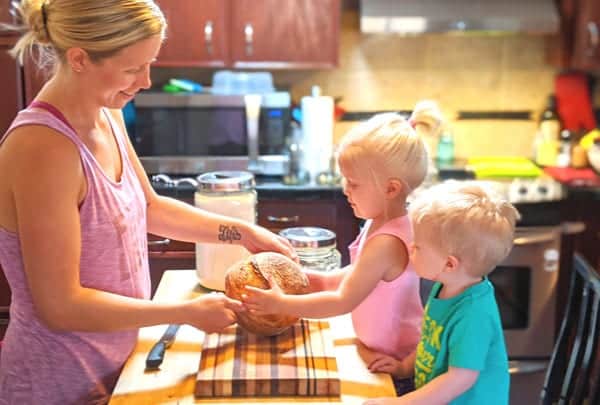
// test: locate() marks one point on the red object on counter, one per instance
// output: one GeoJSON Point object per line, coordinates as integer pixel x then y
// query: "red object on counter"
{"type": "Point", "coordinates": [574, 177]}
{"type": "Point", "coordinates": [574, 101]}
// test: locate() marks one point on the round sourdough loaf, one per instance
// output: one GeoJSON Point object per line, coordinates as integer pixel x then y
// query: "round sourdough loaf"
{"type": "Point", "coordinates": [254, 271]}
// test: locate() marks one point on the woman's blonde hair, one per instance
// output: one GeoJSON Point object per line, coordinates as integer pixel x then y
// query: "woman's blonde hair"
{"type": "Point", "coordinates": [100, 27]}
{"type": "Point", "coordinates": [467, 220]}
{"type": "Point", "coordinates": [390, 146]}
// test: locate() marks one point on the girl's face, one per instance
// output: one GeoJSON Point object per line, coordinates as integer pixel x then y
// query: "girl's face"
{"type": "Point", "coordinates": [118, 78]}
{"type": "Point", "coordinates": [364, 196]}
{"type": "Point", "coordinates": [427, 259]}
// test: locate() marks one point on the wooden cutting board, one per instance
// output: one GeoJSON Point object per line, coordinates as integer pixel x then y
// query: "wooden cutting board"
{"type": "Point", "coordinates": [299, 362]}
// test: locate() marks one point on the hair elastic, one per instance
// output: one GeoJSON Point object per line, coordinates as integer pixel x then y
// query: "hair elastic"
{"type": "Point", "coordinates": [45, 18]}
{"type": "Point", "coordinates": [412, 123]}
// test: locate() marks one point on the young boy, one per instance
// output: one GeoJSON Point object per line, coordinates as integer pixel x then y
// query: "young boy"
{"type": "Point", "coordinates": [461, 232]}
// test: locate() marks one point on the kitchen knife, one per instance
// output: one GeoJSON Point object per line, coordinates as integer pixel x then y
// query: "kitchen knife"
{"type": "Point", "coordinates": [157, 353]}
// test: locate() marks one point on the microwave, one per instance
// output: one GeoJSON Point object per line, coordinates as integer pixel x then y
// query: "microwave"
{"type": "Point", "coordinates": [193, 133]}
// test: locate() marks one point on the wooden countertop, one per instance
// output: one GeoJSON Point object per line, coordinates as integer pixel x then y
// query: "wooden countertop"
{"type": "Point", "coordinates": [175, 381]}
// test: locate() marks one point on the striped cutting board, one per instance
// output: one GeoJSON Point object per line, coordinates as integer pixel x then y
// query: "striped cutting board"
{"type": "Point", "coordinates": [299, 362]}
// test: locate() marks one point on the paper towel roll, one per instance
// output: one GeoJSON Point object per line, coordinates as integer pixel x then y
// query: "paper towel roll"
{"type": "Point", "coordinates": [317, 131]}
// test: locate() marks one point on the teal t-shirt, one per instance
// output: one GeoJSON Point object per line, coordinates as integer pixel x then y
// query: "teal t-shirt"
{"type": "Point", "coordinates": [465, 331]}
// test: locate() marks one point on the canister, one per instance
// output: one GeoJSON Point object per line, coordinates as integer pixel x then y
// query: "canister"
{"type": "Point", "coordinates": [316, 247]}
{"type": "Point", "coordinates": [230, 193]}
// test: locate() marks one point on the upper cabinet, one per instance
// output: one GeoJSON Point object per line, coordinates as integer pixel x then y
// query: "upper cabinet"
{"type": "Point", "coordinates": [251, 33]}
{"type": "Point", "coordinates": [580, 34]}
{"type": "Point", "coordinates": [197, 33]}
{"type": "Point", "coordinates": [586, 50]}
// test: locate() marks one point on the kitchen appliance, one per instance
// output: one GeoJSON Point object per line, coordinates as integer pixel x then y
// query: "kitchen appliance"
{"type": "Point", "coordinates": [187, 133]}
{"type": "Point", "coordinates": [419, 16]}
{"type": "Point", "coordinates": [299, 362]}
{"type": "Point", "coordinates": [227, 193]}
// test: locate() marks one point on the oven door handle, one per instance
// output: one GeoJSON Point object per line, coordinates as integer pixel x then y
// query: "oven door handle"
{"type": "Point", "coordinates": [535, 237]}
{"type": "Point", "coordinates": [527, 366]}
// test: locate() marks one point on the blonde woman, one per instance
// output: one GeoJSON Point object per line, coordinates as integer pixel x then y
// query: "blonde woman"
{"type": "Point", "coordinates": [382, 160]}
{"type": "Point", "coordinates": [462, 231]}
{"type": "Point", "coordinates": [76, 206]}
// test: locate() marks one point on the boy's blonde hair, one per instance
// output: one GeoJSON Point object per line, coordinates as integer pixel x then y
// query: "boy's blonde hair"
{"type": "Point", "coordinates": [390, 146]}
{"type": "Point", "coordinates": [467, 220]}
{"type": "Point", "coordinates": [100, 27]}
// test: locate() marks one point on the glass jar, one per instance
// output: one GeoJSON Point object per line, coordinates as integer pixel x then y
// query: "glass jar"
{"type": "Point", "coordinates": [229, 193]}
{"type": "Point", "coordinates": [316, 247]}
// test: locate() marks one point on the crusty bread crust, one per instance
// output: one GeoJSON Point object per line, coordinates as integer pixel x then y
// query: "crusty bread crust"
{"type": "Point", "coordinates": [254, 272]}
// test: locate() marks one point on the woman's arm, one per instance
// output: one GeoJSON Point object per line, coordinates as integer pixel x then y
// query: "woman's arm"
{"type": "Point", "coordinates": [381, 255]}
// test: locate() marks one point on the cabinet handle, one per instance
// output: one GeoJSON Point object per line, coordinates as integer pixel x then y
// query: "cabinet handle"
{"type": "Point", "coordinates": [284, 220]}
{"type": "Point", "coordinates": [594, 38]}
{"type": "Point", "coordinates": [249, 36]}
{"type": "Point", "coordinates": [163, 242]}
{"type": "Point", "coordinates": [208, 37]}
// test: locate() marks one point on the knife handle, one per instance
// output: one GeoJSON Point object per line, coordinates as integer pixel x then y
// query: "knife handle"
{"type": "Point", "coordinates": [156, 355]}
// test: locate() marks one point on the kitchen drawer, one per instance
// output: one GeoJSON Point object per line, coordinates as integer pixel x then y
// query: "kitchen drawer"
{"type": "Point", "coordinates": [279, 214]}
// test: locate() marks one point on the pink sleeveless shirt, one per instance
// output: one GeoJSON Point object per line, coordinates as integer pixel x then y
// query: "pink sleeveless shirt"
{"type": "Point", "coordinates": [40, 366]}
{"type": "Point", "coordinates": [389, 319]}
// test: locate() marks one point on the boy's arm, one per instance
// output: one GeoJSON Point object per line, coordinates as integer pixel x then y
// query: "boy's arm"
{"type": "Point", "coordinates": [444, 388]}
{"type": "Point", "coordinates": [379, 254]}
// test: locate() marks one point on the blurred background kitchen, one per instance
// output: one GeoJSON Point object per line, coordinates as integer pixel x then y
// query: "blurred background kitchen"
{"type": "Point", "coordinates": [270, 86]}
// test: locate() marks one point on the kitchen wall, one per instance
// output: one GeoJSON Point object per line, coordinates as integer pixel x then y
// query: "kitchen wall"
{"type": "Point", "coordinates": [472, 72]}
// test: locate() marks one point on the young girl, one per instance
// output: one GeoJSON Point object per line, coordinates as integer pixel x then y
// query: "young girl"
{"type": "Point", "coordinates": [382, 160]}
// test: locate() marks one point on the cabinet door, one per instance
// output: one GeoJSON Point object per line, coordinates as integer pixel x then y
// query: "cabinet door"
{"type": "Point", "coordinates": [165, 254]}
{"type": "Point", "coordinates": [586, 50]}
{"type": "Point", "coordinates": [285, 34]}
{"type": "Point", "coordinates": [10, 102]}
{"type": "Point", "coordinates": [196, 33]}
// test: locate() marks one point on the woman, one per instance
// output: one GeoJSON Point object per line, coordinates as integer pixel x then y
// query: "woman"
{"type": "Point", "coordinates": [76, 205]}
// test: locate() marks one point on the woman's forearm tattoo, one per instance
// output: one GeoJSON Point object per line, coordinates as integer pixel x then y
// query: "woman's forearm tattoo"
{"type": "Point", "coordinates": [229, 233]}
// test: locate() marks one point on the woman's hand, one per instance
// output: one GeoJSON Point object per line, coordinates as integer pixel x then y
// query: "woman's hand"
{"type": "Point", "coordinates": [263, 240]}
{"type": "Point", "coordinates": [269, 301]}
{"type": "Point", "coordinates": [212, 312]}
{"type": "Point", "coordinates": [382, 363]}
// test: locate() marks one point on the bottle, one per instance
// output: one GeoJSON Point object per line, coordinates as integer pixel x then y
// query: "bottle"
{"type": "Point", "coordinates": [564, 150]}
{"type": "Point", "coordinates": [547, 138]}
{"type": "Point", "coordinates": [229, 193]}
{"type": "Point", "coordinates": [445, 148]}
{"type": "Point", "coordinates": [316, 247]}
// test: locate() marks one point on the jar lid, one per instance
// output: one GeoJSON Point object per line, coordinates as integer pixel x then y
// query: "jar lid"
{"type": "Point", "coordinates": [309, 237]}
{"type": "Point", "coordinates": [225, 182]}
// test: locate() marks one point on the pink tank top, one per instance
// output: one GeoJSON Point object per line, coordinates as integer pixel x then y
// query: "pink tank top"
{"type": "Point", "coordinates": [40, 366]}
{"type": "Point", "coordinates": [389, 319]}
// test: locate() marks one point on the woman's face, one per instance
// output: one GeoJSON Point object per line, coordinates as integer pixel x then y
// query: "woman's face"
{"type": "Point", "coordinates": [118, 78]}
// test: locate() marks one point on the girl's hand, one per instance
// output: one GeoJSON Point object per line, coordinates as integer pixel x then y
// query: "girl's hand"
{"type": "Point", "coordinates": [263, 240]}
{"type": "Point", "coordinates": [382, 363]}
{"type": "Point", "coordinates": [212, 312]}
{"type": "Point", "coordinates": [264, 301]}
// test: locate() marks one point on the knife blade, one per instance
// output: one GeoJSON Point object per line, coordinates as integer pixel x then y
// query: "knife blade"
{"type": "Point", "coordinates": [157, 353]}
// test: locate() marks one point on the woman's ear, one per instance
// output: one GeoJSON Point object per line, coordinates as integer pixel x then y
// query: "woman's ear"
{"type": "Point", "coordinates": [78, 59]}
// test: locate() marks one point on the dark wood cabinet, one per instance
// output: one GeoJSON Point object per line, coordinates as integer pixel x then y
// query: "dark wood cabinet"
{"type": "Point", "coordinates": [274, 214]}
{"type": "Point", "coordinates": [251, 33]}
{"type": "Point", "coordinates": [197, 33]}
{"type": "Point", "coordinates": [285, 34]}
{"type": "Point", "coordinates": [10, 102]}
{"type": "Point", "coordinates": [580, 34]}
{"type": "Point", "coordinates": [4, 303]}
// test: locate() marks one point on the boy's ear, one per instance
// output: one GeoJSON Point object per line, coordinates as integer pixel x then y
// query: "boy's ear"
{"type": "Point", "coordinates": [394, 188]}
{"type": "Point", "coordinates": [452, 263]}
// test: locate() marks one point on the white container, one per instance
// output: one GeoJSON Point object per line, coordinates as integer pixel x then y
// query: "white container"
{"type": "Point", "coordinates": [232, 194]}
{"type": "Point", "coordinates": [317, 132]}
